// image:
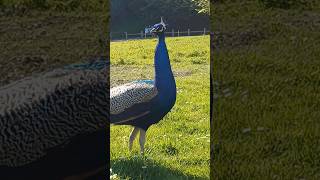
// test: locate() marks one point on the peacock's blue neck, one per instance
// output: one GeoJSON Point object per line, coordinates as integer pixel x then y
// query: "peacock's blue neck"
{"type": "Point", "coordinates": [164, 79]}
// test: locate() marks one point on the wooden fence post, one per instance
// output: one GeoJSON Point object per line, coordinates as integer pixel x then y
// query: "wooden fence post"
{"type": "Point", "coordinates": [144, 34]}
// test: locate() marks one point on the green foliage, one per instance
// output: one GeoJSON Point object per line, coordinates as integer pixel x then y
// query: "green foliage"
{"type": "Point", "coordinates": [178, 146]}
{"type": "Point", "coordinates": [134, 15]}
{"type": "Point", "coordinates": [203, 6]}
{"type": "Point", "coordinates": [286, 4]}
{"type": "Point", "coordinates": [153, 8]}
{"type": "Point", "coordinates": [57, 5]}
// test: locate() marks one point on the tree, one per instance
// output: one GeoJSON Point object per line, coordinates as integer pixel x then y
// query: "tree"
{"type": "Point", "coordinates": [134, 15]}
{"type": "Point", "coordinates": [203, 6]}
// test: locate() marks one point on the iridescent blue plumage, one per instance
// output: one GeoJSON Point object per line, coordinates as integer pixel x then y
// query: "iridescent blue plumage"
{"type": "Point", "coordinates": [159, 95]}
{"type": "Point", "coordinates": [53, 124]}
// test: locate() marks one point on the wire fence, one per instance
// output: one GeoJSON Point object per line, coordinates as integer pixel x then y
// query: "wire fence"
{"type": "Point", "coordinates": [118, 36]}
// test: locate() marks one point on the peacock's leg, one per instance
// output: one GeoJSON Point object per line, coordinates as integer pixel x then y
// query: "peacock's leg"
{"type": "Point", "coordinates": [133, 135]}
{"type": "Point", "coordinates": [142, 140]}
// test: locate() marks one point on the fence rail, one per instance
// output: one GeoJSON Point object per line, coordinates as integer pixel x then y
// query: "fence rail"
{"type": "Point", "coordinates": [142, 35]}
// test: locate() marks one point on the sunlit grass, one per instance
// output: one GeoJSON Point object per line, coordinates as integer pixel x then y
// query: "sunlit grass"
{"type": "Point", "coordinates": [267, 108]}
{"type": "Point", "coordinates": [56, 5]}
{"type": "Point", "coordinates": [178, 146]}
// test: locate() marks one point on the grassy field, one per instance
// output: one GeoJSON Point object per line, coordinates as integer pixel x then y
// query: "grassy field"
{"type": "Point", "coordinates": [38, 41]}
{"type": "Point", "coordinates": [267, 92]}
{"type": "Point", "coordinates": [34, 41]}
{"type": "Point", "coordinates": [22, 6]}
{"type": "Point", "coordinates": [178, 146]}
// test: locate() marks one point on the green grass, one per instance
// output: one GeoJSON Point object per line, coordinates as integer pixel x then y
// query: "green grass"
{"type": "Point", "coordinates": [178, 146]}
{"type": "Point", "coordinates": [267, 73]}
{"type": "Point", "coordinates": [56, 5]}
{"type": "Point", "coordinates": [42, 41]}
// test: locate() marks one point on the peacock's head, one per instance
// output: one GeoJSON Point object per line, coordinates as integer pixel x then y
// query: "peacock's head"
{"type": "Point", "coordinates": [158, 28]}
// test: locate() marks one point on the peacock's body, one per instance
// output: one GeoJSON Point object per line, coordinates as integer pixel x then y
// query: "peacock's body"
{"type": "Point", "coordinates": [145, 102]}
{"type": "Point", "coordinates": [54, 124]}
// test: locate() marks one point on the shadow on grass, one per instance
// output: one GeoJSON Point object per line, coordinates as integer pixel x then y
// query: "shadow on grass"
{"type": "Point", "coordinates": [139, 167]}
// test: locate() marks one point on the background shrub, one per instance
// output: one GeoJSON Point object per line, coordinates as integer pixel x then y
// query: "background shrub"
{"type": "Point", "coordinates": [57, 5]}
{"type": "Point", "coordinates": [286, 4]}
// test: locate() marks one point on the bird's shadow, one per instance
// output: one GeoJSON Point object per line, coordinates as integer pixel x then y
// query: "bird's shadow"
{"type": "Point", "coordinates": [139, 167]}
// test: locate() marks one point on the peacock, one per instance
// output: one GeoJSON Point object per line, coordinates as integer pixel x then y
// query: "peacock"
{"type": "Point", "coordinates": [54, 125]}
{"type": "Point", "coordinates": [143, 103]}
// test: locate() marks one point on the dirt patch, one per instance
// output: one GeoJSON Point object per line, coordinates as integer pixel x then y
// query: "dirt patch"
{"type": "Point", "coordinates": [261, 28]}
{"type": "Point", "coordinates": [182, 73]}
{"type": "Point", "coordinates": [310, 20]}
{"type": "Point", "coordinates": [42, 41]}
{"type": "Point", "coordinates": [236, 39]}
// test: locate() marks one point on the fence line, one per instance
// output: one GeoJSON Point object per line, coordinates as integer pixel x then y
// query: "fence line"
{"type": "Point", "coordinates": [143, 35]}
